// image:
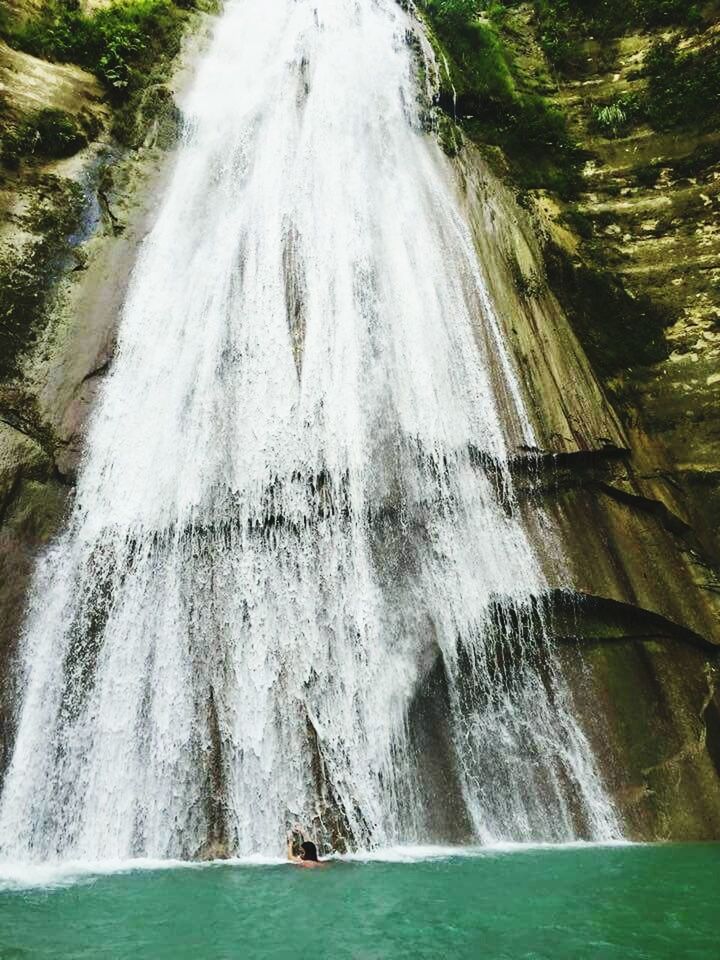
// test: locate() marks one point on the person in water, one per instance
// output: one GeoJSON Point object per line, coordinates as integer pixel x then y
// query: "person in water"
{"type": "Point", "coordinates": [308, 856]}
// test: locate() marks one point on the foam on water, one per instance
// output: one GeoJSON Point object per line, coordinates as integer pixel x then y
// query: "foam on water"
{"type": "Point", "coordinates": [49, 875]}
{"type": "Point", "coordinates": [417, 853]}
{"type": "Point", "coordinates": [296, 499]}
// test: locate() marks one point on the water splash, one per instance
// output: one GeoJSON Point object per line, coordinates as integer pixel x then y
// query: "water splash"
{"type": "Point", "coordinates": [296, 505]}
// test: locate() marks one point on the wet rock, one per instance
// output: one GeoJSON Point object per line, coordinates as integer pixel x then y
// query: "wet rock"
{"type": "Point", "coordinates": [160, 117]}
{"type": "Point", "coordinates": [212, 850]}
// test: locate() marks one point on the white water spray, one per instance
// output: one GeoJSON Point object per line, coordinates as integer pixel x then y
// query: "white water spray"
{"type": "Point", "coordinates": [296, 505]}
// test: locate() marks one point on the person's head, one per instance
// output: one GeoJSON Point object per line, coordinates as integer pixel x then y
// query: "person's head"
{"type": "Point", "coordinates": [308, 850]}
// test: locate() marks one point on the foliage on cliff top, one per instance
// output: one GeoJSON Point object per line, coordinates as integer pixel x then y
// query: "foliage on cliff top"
{"type": "Point", "coordinates": [121, 44]}
{"type": "Point", "coordinates": [127, 45]}
{"type": "Point", "coordinates": [484, 94]}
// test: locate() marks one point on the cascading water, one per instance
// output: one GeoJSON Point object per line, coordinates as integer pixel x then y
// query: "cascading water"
{"type": "Point", "coordinates": [295, 504]}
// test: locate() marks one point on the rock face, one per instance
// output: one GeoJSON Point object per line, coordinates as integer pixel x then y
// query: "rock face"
{"type": "Point", "coordinates": [650, 705]}
{"type": "Point", "coordinates": [66, 322]}
{"type": "Point", "coordinates": [626, 464]}
{"type": "Point", "coordinates": [651, 201]}
{"type": "Point", "coordinates": [641, 624]}
{"type": "Point", "coordinates": [634, 487]}
{"type": "Point", "coordinates": [29, 83]}
{"type": "Point", "coordinates": [32, 494]}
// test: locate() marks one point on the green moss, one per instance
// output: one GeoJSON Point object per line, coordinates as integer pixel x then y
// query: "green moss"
{"type": "Point", "coordinates": [27, 270]}
{"type": "Point", "coordinates": [480, 71]}
{"type": "Point", "coordinates": [484, 93]}
{"type": "Point", "coordinates": [37, 512]}
{"type": "Point", "coordinates": [47, 134]}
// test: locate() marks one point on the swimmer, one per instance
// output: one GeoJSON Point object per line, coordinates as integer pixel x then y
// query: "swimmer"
{"type": "Point", "coordinates": [308, 852]}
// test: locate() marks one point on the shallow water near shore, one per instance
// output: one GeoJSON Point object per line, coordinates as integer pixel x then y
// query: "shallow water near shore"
{"type": "Point", "coordinates": [656, 902]}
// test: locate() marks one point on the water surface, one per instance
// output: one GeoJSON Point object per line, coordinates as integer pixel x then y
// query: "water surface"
{"type": "Point", "coordinates": [623, 902]}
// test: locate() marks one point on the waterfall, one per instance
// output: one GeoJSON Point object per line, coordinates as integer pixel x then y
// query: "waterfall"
{"type": "Point", "coordinates": [295, 539]}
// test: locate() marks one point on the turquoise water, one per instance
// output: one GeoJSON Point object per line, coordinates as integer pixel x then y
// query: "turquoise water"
{"type": "Point", "coordinates": [620, 902]}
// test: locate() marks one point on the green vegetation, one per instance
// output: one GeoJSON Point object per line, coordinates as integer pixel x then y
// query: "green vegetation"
{"type": "Point", "coordinates": [28, 269]}
{"type": "Point", "coordinates": [683, 86]}
{"type": "Point", "coordinates": [564, 25]}
{"type": "Point", "coordinates": [127, 45]}
{"type": "Point", "coordinates": [486, 96]}
{"type": "Point", "coordinates": [47, 134]}
{"type": "Point", "coordinates": [682, 91]}
{"type": "Point", "coordinates": [121, 44]}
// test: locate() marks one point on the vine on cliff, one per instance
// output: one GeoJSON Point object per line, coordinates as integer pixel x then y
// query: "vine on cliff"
{"type": "Point", "coordinates": [489, 98]}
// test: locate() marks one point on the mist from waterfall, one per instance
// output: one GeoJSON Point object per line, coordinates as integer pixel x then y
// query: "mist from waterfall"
{"type": "Point", "coordinates": [295, 507]}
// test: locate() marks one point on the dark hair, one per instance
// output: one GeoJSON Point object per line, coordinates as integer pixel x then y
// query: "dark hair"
{"type": "Point", "coordinates": [308, 850]}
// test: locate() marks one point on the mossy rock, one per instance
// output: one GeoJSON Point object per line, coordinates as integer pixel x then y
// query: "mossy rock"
{"type": "Point", "coordinates": [159, 120]}
{"type": "Point", "coordinates": [29, 269]}
{"type": "Point", "coordinates": [37, 512]}
{"type": "Point", "coordinates": [47, 134]}
{"type": "Point", "coordinates": [650, 709]}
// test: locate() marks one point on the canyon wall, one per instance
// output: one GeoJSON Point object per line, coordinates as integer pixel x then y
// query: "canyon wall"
{"type": "Point", "coordinates": [627, 460]}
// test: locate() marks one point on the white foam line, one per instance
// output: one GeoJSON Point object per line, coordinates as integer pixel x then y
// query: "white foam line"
{"type": "Point", "coordinates": [417, 854]}
{"type": "Point", "coordinates": [23, 876]}
{"type": "Point", "coordinates": [20, 876]}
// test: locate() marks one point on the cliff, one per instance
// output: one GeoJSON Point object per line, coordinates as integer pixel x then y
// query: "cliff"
{"type": "Point", "coordinates": [597, 232]}
{"type": "Point", "coordinates": [596, 214]}
{"type": "Point", "coordinates": [83, 150]}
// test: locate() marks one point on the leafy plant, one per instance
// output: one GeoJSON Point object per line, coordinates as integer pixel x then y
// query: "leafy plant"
{"type": "Point", "coordinates": [122, 44]}
{"type": "Point", "coordinates": [613, 119]}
